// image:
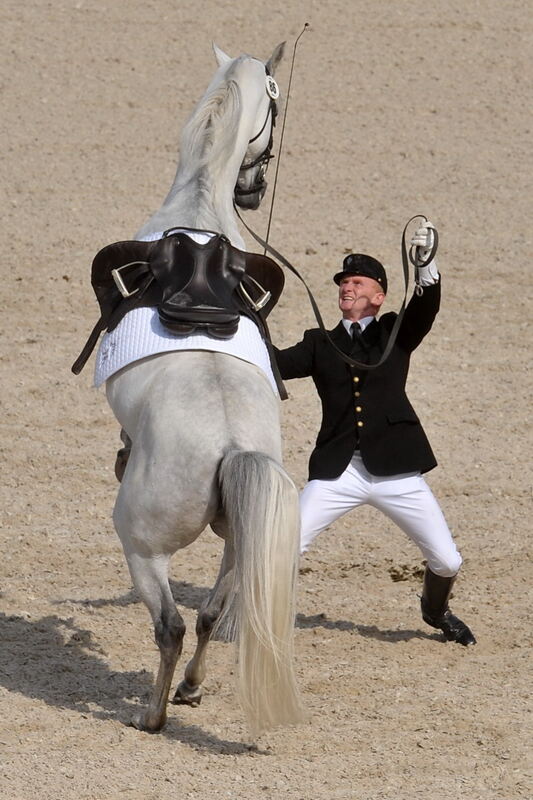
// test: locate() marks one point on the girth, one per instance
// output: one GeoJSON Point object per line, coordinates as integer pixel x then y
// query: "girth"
{"type": "Point", "coordinates": [195, 287]}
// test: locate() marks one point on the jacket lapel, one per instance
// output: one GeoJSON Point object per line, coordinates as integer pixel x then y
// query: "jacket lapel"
{"type": "Point", "coordinates": [372, 342]}
{"type": "Point", "coordinates": [367, 350]}
{"type": "Point", "coordinates": [371, 334]}
{"type": "Point", "coordinates": [341, 338]}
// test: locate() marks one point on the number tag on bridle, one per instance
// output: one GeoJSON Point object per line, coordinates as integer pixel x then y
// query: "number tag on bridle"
{"type": "Point", "coordinates": [272, 87]}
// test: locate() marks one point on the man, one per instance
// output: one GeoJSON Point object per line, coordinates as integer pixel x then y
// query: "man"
{"type": "Point", "coordinates": [371, 447]}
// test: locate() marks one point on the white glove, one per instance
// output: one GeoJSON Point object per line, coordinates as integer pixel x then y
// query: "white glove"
{"type": "Point", "coordinates": [423, 240]}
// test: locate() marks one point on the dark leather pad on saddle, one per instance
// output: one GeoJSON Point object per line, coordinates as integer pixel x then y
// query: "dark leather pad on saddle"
{"type": "Point", "coordinates": [195, 287]}
{"type": "Point", "coordinates": [198, 283]}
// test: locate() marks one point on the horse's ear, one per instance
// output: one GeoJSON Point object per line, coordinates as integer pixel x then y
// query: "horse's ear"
{"type": "Point", "coordinates": [275, 58]}
{"type": "Point", "coordinates": [221, 57]}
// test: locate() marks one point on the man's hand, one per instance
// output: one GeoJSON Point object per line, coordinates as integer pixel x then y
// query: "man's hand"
{"type": "Point", "coordinates": [423, 240]}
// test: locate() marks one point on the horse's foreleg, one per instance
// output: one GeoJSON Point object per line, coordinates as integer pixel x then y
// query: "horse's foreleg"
{"type": "Point", "coordinates": [150, 577]}
{"type": "Point", "coordinates": [122, 456]}
{"type": "Point", "coordinates": [190, 690]}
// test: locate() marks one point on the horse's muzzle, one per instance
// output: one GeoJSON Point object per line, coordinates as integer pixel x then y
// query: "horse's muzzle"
{"type": "Point", "coordinates": [250, 198]}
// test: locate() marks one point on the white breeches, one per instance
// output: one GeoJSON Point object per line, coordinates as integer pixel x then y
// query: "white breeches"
{"type": "Point", "coordinates": [406, 499]}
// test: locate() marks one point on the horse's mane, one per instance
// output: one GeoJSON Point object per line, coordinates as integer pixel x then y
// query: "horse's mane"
{"type": "Point", "coordinates": [212, 127]}
{"type": "Point", "coordinates": [206, 139]}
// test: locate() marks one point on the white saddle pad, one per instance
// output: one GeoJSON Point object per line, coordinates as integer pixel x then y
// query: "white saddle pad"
{"type": "Point", "coordinates": [140, 334]}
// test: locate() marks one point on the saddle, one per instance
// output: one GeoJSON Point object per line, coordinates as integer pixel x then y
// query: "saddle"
{"type": "Point", "coordinates": [195, 287]}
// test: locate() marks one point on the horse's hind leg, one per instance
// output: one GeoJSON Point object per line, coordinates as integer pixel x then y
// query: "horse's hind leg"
{"type": "Point", "coordinates": [190, 691]}
{"type": "Point", "coordinates": [150, 577]}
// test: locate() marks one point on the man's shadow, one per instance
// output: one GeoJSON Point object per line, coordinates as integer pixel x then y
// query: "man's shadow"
{"type": "Point", "coordinates": [366, 631]}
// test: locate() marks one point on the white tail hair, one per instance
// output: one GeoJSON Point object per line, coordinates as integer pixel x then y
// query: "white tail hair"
{"type": "Point", "coordinates": [261, 504]}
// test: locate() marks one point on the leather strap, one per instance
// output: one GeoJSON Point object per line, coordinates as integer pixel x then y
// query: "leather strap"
{"type": "Point", "coordinates": [107, 321]}
{"type": "Point", "coordinates": [398, 321]}
{"type": "Point", "coordinates": [89, 346]}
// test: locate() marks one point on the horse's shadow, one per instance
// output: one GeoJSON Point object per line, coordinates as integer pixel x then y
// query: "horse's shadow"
{"type": "Point", "coordinates": [56, 661]}
{"type": "Point", "coordinates": [191, 596]}
{"type": "Point", "coordinates": [185, 594]}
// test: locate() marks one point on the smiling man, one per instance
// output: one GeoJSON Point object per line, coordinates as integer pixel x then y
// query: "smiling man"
{"type": "Point", "coordinates": [371, 447]}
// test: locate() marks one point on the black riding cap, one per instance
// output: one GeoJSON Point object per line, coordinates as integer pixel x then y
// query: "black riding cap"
{"type": "Point", "coordinates": [359, 264]}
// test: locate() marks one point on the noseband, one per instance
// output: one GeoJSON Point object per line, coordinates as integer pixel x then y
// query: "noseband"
{"type": "Point", "coordinates": [263, 159]}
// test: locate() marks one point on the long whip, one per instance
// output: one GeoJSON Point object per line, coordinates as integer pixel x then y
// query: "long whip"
{"type": "Point", "coordinates": [305, 27]}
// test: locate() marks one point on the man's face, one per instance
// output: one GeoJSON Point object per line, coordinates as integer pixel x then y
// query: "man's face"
{"type": "Point", "coordinates": [359, 297]}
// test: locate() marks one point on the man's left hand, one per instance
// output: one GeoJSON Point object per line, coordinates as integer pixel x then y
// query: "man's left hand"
{"type": "Point", "coordinates": [423, 240]}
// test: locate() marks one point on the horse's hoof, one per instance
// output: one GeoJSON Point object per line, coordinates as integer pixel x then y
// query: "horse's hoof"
{"type": "Point", "coordinates": [187, 695]}
{"type": "Point", "coordinates": [142, 723]}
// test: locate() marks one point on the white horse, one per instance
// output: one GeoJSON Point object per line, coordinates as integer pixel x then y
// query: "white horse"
{"type": "Point", "coordinates": [205, 432]}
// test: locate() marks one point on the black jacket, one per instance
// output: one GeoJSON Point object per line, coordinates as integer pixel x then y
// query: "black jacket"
{"type": "Point", "coordinates": [366, 409]}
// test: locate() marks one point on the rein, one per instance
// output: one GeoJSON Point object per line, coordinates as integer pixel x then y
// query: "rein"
{"type": "Point", "coordinates": [406, 257]}
{"type": "Point", "coordinates": [398, 321]}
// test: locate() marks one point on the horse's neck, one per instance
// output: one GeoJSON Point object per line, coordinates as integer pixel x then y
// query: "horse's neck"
{"type": "Point", "coordinates": [195, 203]}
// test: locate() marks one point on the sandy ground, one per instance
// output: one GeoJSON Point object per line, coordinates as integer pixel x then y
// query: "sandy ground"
{"type": "Point", "coordinates": [397, 108]}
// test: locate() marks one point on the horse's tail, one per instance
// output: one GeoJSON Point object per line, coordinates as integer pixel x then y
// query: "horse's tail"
{"type": "Point", "coordinates": [261, 505]}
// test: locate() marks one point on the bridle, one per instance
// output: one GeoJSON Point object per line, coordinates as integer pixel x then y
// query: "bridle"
{"type": "Point", "coordinates": [263, 159]}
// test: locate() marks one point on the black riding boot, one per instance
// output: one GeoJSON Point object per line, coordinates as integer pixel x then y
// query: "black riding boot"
{"type": "Point", "coordinates": [435, 611]}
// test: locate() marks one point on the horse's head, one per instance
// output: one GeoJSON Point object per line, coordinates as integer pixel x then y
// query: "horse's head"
{"type": "Point", "coordinates": [225, 148]}
{"type": "Point", "coordinates": [251, 184]}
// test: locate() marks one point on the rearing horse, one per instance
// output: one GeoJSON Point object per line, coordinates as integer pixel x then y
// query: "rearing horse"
{"type": "Point", "coordinates": [205, 433]}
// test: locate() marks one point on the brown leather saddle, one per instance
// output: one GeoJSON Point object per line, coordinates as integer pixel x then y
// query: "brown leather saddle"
{"type": "Point", "coordinates": [195, 287]}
